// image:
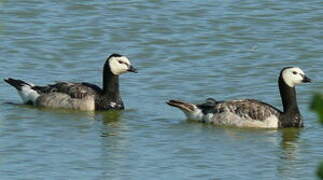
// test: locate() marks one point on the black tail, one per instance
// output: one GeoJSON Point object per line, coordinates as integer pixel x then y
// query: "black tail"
{"type": "Point", "coordinates": [16, 83]}
{"type": "Point", "coordinates": [188, 107]}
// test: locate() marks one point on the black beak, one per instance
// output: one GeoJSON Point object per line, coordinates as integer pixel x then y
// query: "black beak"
{"type": "Point", "coordinates": [306, 80]}
{"type": "Point", "coordinates": [132, 69]}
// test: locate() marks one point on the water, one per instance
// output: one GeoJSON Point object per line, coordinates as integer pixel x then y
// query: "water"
{"type": "Point", "coordinates": [184, 50]}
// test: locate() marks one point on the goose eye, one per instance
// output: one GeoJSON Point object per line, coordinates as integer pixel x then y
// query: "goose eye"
{"type": "Point", "coordinates": [294, 72]}
{"type": "Point", "coordinates": [120, 62]}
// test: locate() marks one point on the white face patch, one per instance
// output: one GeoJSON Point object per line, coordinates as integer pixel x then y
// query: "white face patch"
{"type": "Point", "coordinates": [119, 65]}
{"type": "Point", "coordinates": [293, 76]}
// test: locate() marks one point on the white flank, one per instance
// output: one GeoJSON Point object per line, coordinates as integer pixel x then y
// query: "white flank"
{"type": "Point", "coordinates": [196, 115]}
{"type": "Point", "coordinates": [61, 100]}
{"type": "Point", "coordinates": [27, 94]}
{"type": "Point", "coordinates": [231, 119]}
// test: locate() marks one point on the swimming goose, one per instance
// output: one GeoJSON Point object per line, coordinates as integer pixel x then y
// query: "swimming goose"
{"type": "Point", "coordinates": [79, 96]}
{"type": "Point", "coordinates": [250, 112]}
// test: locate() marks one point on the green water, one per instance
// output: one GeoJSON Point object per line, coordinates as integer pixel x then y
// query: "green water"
{"type": "Point", "coordinates": [182, 49]}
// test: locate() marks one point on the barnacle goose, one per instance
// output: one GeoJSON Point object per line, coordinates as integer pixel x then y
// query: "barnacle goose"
{"type": "Point", "coordinates": [79, 96]}
{"type": "Point", "coordinates": [250, 112]}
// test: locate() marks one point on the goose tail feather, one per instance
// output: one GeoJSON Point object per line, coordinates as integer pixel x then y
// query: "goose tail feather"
{"type": "Point", "coordinates": [18, 84]}
{"type": "Point", "coordinates": [184, 106]}
{"type": "Point", "coordinates": [25, 90]}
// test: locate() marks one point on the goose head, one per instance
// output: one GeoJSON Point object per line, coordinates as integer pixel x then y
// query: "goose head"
{"type": "Point", "coordinates": [119, 64]}
{"type": "Point", "coordinates": [293, 76]}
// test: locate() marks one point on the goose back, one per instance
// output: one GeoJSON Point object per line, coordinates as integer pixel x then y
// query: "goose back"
{"type": "Point", "coordinates": [75, 90]}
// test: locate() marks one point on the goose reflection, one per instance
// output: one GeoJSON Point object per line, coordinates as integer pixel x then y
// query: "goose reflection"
{"type": "Point", "coordinates": [289, 142]}
{"type": "Point", "coordinates": [111, 122]}
{"type": "Point", "coordinates": [110, 117]}
{"type": "Point", "coordinates": [289, 151]}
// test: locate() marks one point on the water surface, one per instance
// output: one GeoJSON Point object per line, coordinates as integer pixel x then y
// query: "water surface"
{"type": "Point", "coordinates": [185, 50]}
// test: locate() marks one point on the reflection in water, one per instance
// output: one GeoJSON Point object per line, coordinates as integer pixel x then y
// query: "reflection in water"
{"type": "Point", "coordinates": [115, 143]}
{"type": "Point", "coordinates": [238, 133]}
{"type": "Point", "coordinates": [111, 122]}
{"type": "Point", "coordinates": [110, 117]}
{"type": "Point", "coordinates": [289, 142]}
{"type": "Point", "coordinates": [289, 147]}
{"type": "Point", "coordinates": [57, 111]}
{"type": "Point", "coordinates": [18, 104]}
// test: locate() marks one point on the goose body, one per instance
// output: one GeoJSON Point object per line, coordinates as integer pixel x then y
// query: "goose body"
{"type": "Point", "coordinates": [251, 112]}
{"type": "Point", "coordinates": [238, 113]}
{"type": "Point", "coordinates": [78, 96]}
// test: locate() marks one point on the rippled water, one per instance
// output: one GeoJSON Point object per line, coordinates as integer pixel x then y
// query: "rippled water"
{"type": "Point", "coordinates": [183, 49]}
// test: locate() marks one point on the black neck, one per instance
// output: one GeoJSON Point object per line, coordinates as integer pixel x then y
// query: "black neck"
{"type": "Point", "coordinates": [110, 84]}
{"type": "Point", "coordinates": [288, 96]}
{"type": "Point", "coordinates": [291, 116]}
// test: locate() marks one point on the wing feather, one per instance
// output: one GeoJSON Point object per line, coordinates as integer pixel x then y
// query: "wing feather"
{"type": "Point", "coordinates": [247, 108]}
{"type": "Point", "coordinates": [75, 90]}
